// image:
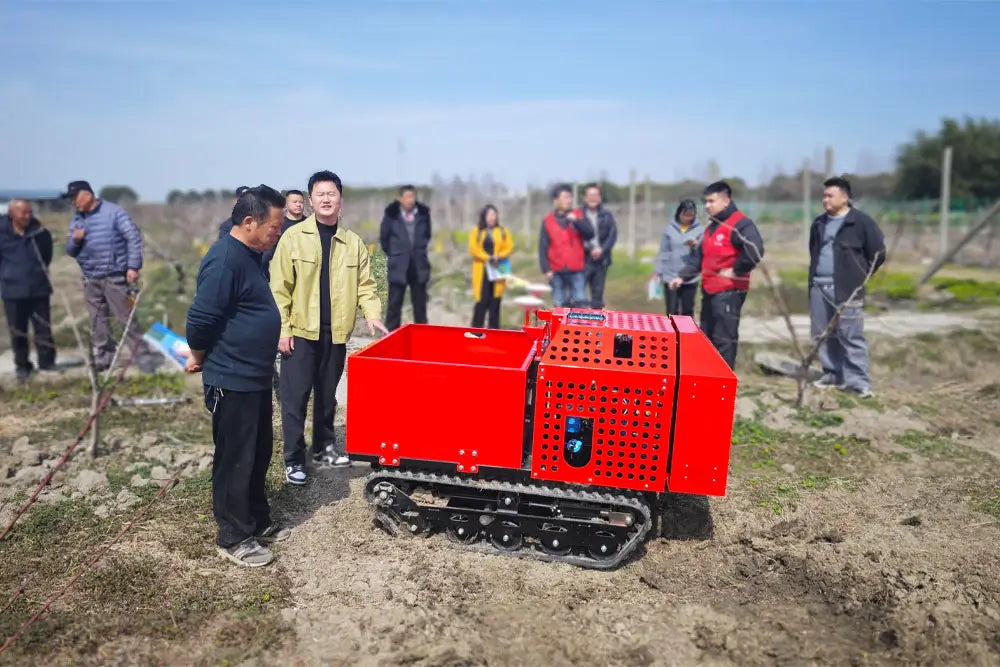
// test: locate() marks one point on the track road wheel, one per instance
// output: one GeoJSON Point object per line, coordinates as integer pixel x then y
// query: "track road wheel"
{"type": "Point", "coordinates": [554, 541]}
{"type": "Point", "coordinates": [604, 546]}
{"type": "Point", "coordinates": [462, 530]}
{"type": "Point", "coordinates": [506, 535]}
{"type": "Point", "coordinates": [412, 524]}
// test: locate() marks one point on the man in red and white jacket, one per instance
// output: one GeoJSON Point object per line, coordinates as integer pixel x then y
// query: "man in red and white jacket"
{"type": "Point", "coordinates": [730, 249]}
{"type": "Point", "coordinates": [562, 246]}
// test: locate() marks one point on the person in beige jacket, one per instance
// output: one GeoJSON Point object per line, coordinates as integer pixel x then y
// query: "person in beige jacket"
{"type": "Point", "coordinates": [320, 275]}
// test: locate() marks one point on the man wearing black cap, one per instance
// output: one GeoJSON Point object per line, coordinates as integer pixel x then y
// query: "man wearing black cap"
{"type": "Point", "coordinates": [108, 247]}
{"type": "Point", "coordinates": [227, 223]}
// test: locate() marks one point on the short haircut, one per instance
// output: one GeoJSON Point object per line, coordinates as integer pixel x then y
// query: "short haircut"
{"type": "Point", "coordinates": [257, 203]}
{"type": "Point", "coordinates": [685, 205]}
{"type": "Point", "coordinates": [591, 185]}
{"type": "Point", "coordinates": [838, 182]}
{"type": "Point", "coordinates": [717, 187]}
{"type": "Point", "coordinates": [325, 176]}
{"type": "Point", "coordinates": [293, 192]}
{"type": "Point", "coordinates": [561, 188]}
{"type": "Point", "coordinates": [403, 189]}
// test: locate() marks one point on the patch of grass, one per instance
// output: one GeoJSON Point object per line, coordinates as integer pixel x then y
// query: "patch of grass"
{"type": "Point", "coordinates": [991, 391]}
{"type": "Point", "coordinates": [228, 616]}
{"type": "Point", "coordinates": [46, 520]}
{"type": "Point", "coordinates": [755, 432]}
{"type": "Point", "coordinates": [819, 419]}
{"type": "Point", "coordinates": [900, 457]}
{"type": "Point", "coordinates": [927, 444]}
{"type": "Point", "coordinates": [28, 394]}
{"type": "Point", "coordinates": [846, 401]}
{"type": "Point", "coordinates": [967, 291]}
{"type": "Point", "coordinates": [991, 505]}
{"type": "Point", "coordinates": [778, 494]}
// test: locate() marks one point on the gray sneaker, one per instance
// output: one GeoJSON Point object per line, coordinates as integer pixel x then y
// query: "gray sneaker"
{"type": "Point", "coordinates": [828, 381]}
{"type": "Point", "coordinates": [248, 553]}
{"type": "Point", "coordinates": [273, 533]}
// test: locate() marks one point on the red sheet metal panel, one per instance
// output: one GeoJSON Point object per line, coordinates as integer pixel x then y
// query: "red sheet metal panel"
{"type": "Point", "coordinates": [604, 400]}
{"type": "Point", "coordinates": [704, 413]}
{"type": "Point", "coordinates": [443, 394]}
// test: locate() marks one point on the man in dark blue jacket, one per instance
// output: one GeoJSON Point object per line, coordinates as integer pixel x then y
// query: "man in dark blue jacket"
{"type": "Point", "coordinates": [233, 327]}
{"type": "Point", "coordinates": [405, 236]}
{"type": "Point", "coordinates": [108, 247]}
{"type": "Point", "coordinates": [25, 254]}
{"type": "Point", "coordinates": [599, 248]}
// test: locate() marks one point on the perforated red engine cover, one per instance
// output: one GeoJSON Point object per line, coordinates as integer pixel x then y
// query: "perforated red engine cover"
{"type": "Point", "coordinates": [627, 399]}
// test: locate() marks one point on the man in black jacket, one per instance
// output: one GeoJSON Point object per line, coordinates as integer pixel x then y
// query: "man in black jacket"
{"type": "Point", "coordinates": [730, 249]}
{"type": "Point", "coordinates": [25, 254]}
{"type": "Point", "coordinates": [845, 246]}
{"type": "Point", "coordinates": [405, 235]}
{"type": "Point", "coordinates": [599, 249]}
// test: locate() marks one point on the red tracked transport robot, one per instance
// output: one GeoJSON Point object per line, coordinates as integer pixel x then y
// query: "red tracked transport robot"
{"type": "Point", "coordinates": [553, 442]}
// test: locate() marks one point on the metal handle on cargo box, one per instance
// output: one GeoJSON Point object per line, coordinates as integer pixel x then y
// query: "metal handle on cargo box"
{"type": "Point", "coordinates": [475, 334]}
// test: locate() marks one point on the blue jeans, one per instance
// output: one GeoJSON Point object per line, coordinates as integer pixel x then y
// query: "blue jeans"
{"type": "Point", "coordinates": [569, 289]}
{"type": "Point", "coordinates": [844, 355]}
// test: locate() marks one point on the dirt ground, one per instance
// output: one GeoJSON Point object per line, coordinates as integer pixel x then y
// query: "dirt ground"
{"type": "Point", "coordinates": [853, 532]}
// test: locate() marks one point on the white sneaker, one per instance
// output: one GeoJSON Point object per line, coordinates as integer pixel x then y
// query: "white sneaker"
{"type": "Point", "coordinates": [332, 458]}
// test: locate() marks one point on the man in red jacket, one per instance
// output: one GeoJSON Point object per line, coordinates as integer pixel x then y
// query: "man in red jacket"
{"type": "Point", "coordinates": [561, 252]}
{"type": "Point", "coordinates": [730, 248]}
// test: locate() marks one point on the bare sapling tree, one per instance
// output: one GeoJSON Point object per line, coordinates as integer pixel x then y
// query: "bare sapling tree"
{"type": "Point", "coordinates": [97, 387]}
{"type": "Point", "coordinates": [802, 378]}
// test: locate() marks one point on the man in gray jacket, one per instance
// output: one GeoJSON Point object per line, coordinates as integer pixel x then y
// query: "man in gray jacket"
{"type": "Point", "coordinates": [108, 247]}
{"type": "Point", "coordinates": [678, 247]}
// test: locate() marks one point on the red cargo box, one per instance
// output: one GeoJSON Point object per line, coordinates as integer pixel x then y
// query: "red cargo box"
{"type": "Point", "coordinates": [703, 416]}
{"type": "Point", "coordinates": [445, 394]}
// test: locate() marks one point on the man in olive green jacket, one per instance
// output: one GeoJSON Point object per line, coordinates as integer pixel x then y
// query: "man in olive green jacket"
{"type": "Point", "coordinates": [320, 275]}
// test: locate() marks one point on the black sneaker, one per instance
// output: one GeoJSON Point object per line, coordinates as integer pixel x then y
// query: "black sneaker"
{"type": "Point", "coordinates": [22, 374]}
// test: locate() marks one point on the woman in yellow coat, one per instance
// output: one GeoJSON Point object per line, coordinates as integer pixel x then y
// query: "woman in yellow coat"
{"type": "Point", "coordinates": [490, 243]}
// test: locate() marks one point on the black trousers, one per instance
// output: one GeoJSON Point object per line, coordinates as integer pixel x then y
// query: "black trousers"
{"type": "Point", "coordinates": [681, 300]}
{"type": "Point", "coordinates": [595, 276]}
{"type": "Point", "coordinates": [241, 429]}
{"type": "Point", "coordinates": [418, 295]}
{"type": "Point", "coordinates": [315, 368]}
{"type": "Point", "coordinates": [487, 304]}
{"type": "Point", "coordinates": [19, 313]}
{"type": "Point", "coordinates": [720, 321]}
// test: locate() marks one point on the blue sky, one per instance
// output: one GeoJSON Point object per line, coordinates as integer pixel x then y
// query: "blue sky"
{"type": "Point", "coordinates": [160, 95]}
